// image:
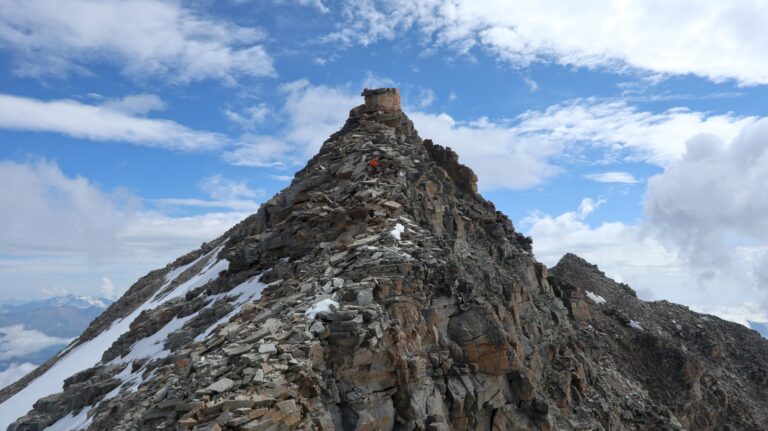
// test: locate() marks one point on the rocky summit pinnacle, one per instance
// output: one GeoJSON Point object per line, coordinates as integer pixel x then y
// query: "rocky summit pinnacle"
{"type": "Point", "coordinates": [380, 291]}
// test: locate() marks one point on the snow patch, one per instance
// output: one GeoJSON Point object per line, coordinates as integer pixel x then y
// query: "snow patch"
{"type": "Point", "coordinates": [78, 358]}
{"type": "Point", "coordinates": [323, 306]}
{"type": "Point", "coordinates": [635, 325]}
{"type": "Point", "coordinates": [247, 291]}
{"type": "Point", "coordinates": [208, 273]}
{"type": "Point", "coordinates": [153, 346]}
{"type": "Point", "coordinates": [176, 272]}
{"type": "Point", "coordinates": [72, 422]}
{"type": "Point", "coordinates": [597, 299]}
{"type": "Point", "coordinates": [397, 231]}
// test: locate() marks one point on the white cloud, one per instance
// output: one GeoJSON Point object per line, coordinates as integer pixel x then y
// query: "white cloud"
{"type": "Point", "coordinates": [678, 37]}
{"type": "Point", "coordinates": [223, 193]}
{"type": "Point", "coordinates": [260, 151]}
{"type": "Point", "coordinates": [372, 80]}
{"type": "Point", "coordinates": [587, 207]}
{"type": "Point", "coordinates": [713, 203]}
{"type": "Point", "coordinates": [43, 200]}
{"type": "Point", "coordinates": [528, 150]}
{"type": "Point", "coordinates": [160, 237]}
{"type": "Point", "coordinates": [139, 104]}
{"type": "Point", "coordinates": [743, 314]}
{"type": "Point", "coordinates": [531, 84]}
{"type": "Point", "coordinates": [108, 289]}
{"type": "Point", "coordinates": [657, 138]}
{"type": "Point", "coordinates": [497, 151]}
{"type": "Point", "coordinates": [110, 122]}
{"type": "Point", "coordinates": [637, 255]}
{"type": "Point", "coordinates": [426, 97]}
{"type": "Point", "coordinates": [143, 38]}
{"type": "Point", "coordinates": [65, 232]}
{"type": "Point", "coordinates": [14, 372]}
{"type": "Point", "coordinates": [315, 112]}
{"type": "Point", "coordinates": [317, 4]}
{"type": "Point", "coordinates": [312, 113]}
{"type": "Point", "coordinates": [222, 188]}
{"type": "Point", "coordinates": [15, 341]}
{"type": "Point", "coordinates": [613, 177]}
{"type": "Point", "coordinates": [621, 250]}
{"type": "Point", "coordinates": [250, 117]}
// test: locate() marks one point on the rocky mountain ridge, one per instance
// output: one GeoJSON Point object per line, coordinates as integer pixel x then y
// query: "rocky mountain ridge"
{"type": "Point", "coordinates": [391, 297]}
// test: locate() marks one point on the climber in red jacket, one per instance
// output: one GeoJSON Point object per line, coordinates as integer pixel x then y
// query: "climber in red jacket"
{"type": "Point", "coordinates": [374, 167]}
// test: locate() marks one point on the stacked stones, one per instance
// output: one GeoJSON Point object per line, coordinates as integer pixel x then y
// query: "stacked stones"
{"type": "Point", "coordinates": [438, 318]}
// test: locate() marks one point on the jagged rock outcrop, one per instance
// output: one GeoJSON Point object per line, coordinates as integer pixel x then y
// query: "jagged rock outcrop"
{"type": "Point", "coordinates": [396, 297]}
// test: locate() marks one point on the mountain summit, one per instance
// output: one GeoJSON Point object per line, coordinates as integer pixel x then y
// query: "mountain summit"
{"type": "Point", "coordinates": [380, 291]}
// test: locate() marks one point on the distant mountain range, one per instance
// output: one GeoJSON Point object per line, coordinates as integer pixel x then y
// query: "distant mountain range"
{"type": "Point", "coordinates": [31, 332]}
{"type": "Point", "coordinates": [60, 316]}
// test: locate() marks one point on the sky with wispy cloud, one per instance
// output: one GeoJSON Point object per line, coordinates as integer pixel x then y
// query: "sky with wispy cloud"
{"type": "Point", "coordinates": [631, 133]}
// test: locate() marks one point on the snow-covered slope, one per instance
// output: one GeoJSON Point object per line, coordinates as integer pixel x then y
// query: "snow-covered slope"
{"type": "Point", "coordinates": [83, 355]}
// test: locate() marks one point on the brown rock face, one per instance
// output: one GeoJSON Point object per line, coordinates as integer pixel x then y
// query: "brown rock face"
{"type": "Point", "coordinates": [382, 99]}
{"type": "Point", "coordinates": [400, 299]}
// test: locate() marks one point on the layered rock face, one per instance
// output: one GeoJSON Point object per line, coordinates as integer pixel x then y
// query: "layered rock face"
{"type": "Point", "coordinates": [397, 298]}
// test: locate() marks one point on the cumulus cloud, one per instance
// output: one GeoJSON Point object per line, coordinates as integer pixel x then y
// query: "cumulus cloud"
{"type": "Point", "coordinates": [115, 121]}
{"type": "Point", "coordinates": [497, 150]}
{"type": "Point", "coordinates": [622, 250]}
{"type": "Point", "coordinates": [613, 35]}
{"type": "Point", "coordinates": [43, 200]}
{"type": "Point", "coordinates": [108, 289]}
{"type": "Point", "coordinates": [713, 204]}
{"type": "Point", "coordinates": [148, 38]}
{"type": "Point", "coordinates": [14, 372]}
{"type": "Point", "coordinates": [637, 255]}
{"type": "Point", "coordinates": [15, 341]}
{"type": "Point", "coordinates": [613, 177]}
{"type": "Point", "coordinates": [64, 231]}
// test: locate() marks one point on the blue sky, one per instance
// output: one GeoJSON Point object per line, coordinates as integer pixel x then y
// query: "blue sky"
{"type": "Point", "coordinates": [633, 135]}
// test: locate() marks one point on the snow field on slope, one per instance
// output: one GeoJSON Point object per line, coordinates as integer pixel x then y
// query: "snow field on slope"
{"type": "Point", "coordinates": [72, 422]}
{"type": "Point", "coordinates": [77, 358]}
{"type": "Point", "coordinates": [152, 346]}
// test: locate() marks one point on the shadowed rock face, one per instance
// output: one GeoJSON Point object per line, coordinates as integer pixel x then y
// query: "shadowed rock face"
{"type": "Point", "coordinates": [441, 319]}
